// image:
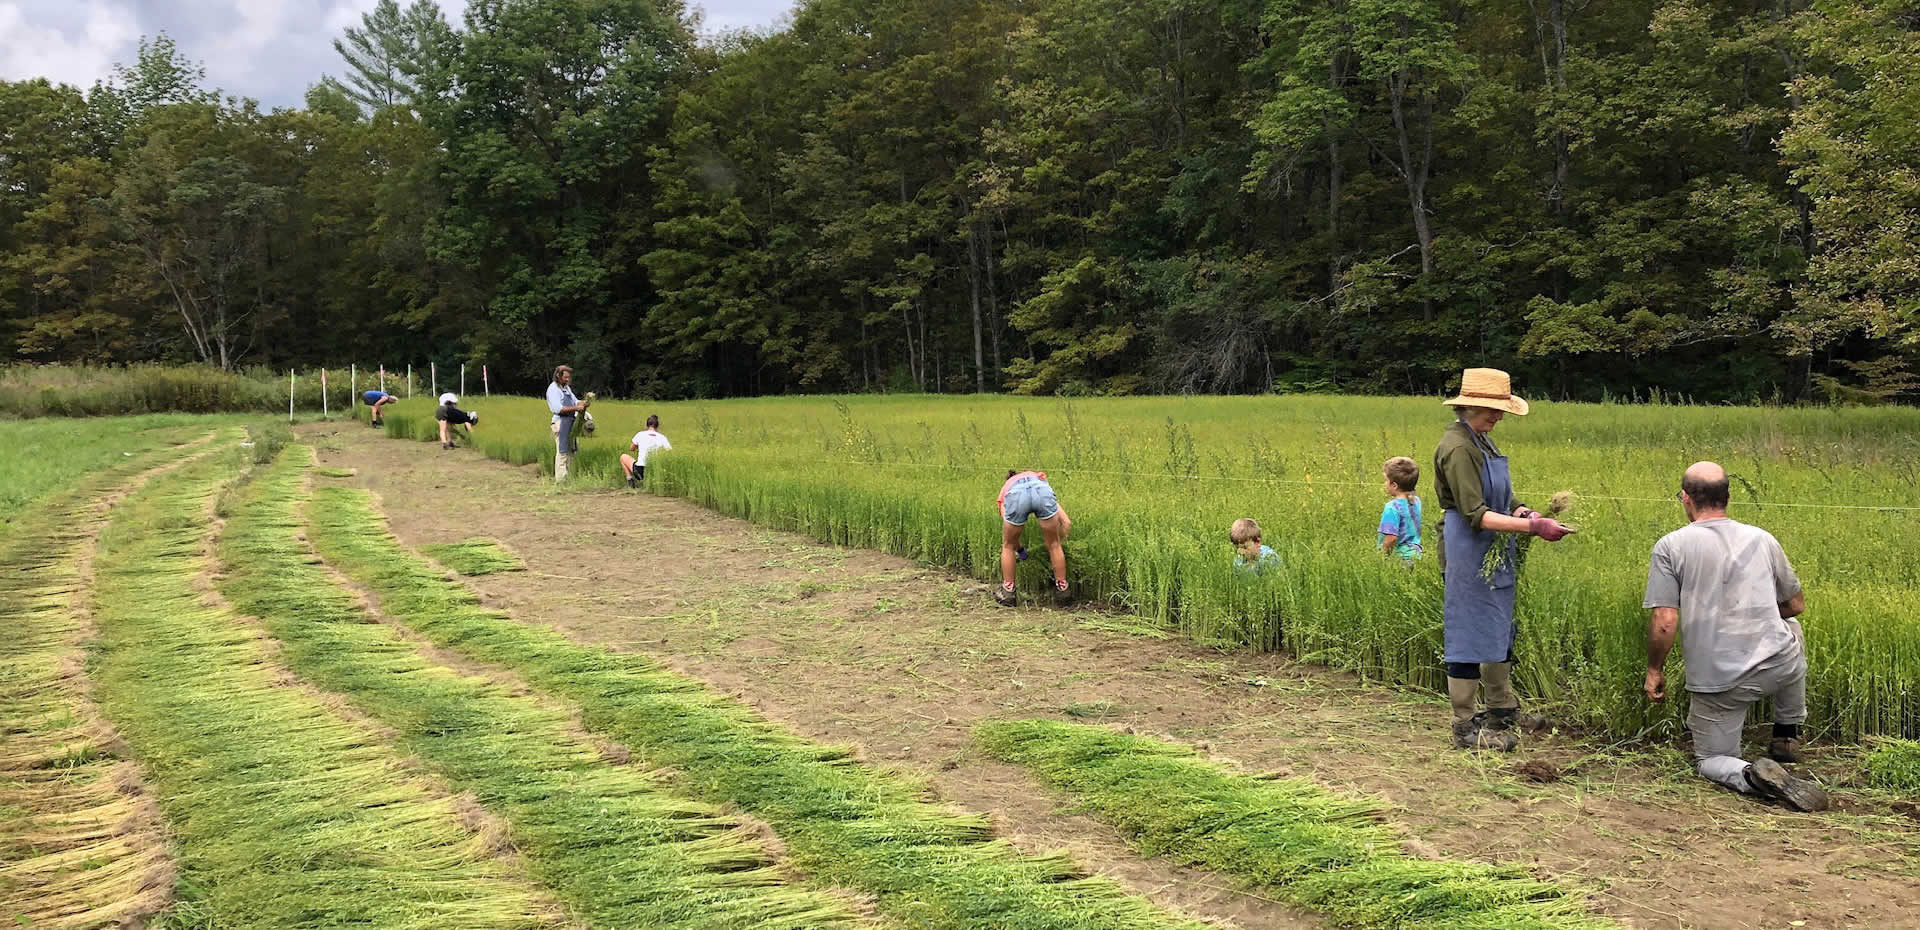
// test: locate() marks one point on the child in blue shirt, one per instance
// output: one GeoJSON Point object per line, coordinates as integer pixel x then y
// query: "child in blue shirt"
{"type": "Point", "coordinates": [1250, 557]}
{"type": "Point", "coordinates": [1399, 533]}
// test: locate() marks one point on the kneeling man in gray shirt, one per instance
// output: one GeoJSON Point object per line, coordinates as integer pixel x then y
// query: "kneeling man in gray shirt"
{"type": "Point", "coordinates": [1727, 589]}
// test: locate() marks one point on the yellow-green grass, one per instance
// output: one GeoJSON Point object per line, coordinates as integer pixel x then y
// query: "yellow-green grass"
{"type": "Point", "coordinates": [1894, 764]}
{"type": "Point", "coordinates": [285, 812]}
{"type": "Point", "coordinates": [1154, 483]}
{"type": "Point", "coordinates": [39, 457]}
{"type": "Point", "coordinates": [81, 845]}
{"type": "Point", "coordinates": [475, 557]}
{"type": "Point", "coordinates": [923, 865]}
{"type": "Point", "coordinates": [617, 846]}
{"type": "Point", "coordinates": [1285, 836]}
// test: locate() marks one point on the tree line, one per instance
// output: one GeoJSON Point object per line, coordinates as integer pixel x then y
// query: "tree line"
{"type": "Point", "coordinates": [1713, 198]}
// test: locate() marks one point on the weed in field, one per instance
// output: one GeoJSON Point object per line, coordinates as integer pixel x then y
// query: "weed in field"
{"type": "Point", "coordinates": [1894, 764]}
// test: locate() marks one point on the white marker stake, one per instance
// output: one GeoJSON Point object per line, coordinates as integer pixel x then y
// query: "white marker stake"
{"type": "Point", "coordinates": [463, 379]}
{"type": "Point", "coordinates": [433, 379]}
{"type": "Point", "coordinates": [353, 389]}
{"type": "Point", "coordinates": [409, 380]}
{"type": "Point", "coordinates": [484, 388]}
{"type": "Point", "coordinates": [323, 392]}
{"type": "Point", "coordinates": [383, 379]}
{"type": "Point", "coordinates": [289, 395]}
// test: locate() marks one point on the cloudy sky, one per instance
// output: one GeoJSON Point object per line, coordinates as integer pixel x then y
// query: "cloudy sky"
{"type": "Point", "coordinates": [270, 50]}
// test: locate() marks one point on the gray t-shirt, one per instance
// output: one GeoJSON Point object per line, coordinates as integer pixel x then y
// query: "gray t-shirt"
{"type": "Point", "coordinates": [1728, 579]}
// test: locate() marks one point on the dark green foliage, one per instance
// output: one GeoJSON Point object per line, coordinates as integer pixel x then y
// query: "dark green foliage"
{"type": "Point", "coordinates": [1051, 197]}
{"type": "Point", "coordinates": [1895, 764]}
{"type": "Point", "coordinates": [1285, 834]}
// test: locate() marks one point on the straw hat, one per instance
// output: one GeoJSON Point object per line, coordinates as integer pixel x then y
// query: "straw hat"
{"type": "Point", "coordinates": [1488, 387]}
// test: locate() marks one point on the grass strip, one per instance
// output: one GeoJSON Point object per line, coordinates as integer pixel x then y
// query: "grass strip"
{"type": "Point", "coordinates": [1894, 764]}
{"type": "Point", "coordinates": [285, 812]}
{"type": "Point", "coordinates": [922, 864]}
{"type": "Point", "coordinates": [81, 842]}
{"type": "Point", "coordinates": [475, 557]}
{"type": "Point", "coordinates": [616, 845]}
{"type": "Point", "coordinates": [1288, 835]}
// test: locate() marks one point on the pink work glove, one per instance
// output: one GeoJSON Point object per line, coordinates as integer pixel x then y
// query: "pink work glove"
{"type": "Point", "coordinates": [1546, 528]}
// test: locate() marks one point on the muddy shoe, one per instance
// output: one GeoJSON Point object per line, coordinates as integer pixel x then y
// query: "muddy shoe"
{"type": "Point", "coordinates": [1061, 597]}
{"type": "Point", "coordinates": [1005, 596]}
{"type": "Point", "coordinates": [1784, 750]}
{"type": "Point", "coordinates": [630, 480]}
{"type": "Point", "coordinates": [1482, 732]}
{"type": "Point", "coordinates": [1513, 718]}
{"type": "Point", "coordinates": [1772, 779]}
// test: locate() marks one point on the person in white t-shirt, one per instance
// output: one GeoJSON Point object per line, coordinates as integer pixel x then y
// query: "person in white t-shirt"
{"type": "Point", "coordinates": [645, 441]}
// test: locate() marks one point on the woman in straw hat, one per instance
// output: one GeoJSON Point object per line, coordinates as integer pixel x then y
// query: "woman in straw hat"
{"type": "Point", "coordinates": [1475, 491]}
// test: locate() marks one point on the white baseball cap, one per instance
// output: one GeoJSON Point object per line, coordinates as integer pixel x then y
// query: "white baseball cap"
{"type": "Point", "coordinates": [448, 398]}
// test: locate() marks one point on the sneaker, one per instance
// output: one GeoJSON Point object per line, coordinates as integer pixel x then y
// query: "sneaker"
{"type": "Point", "coordinates": [1772, 780]}
{"type": "Point", "coordinates": [1061, 597]}
{"type": "Point", "coordinates": [1784, 750]}
{"type": "Point", "coordinates": [1005, 596]}
{"type": "Point", "coordinates": [1483, 732]}
{"type": "Point", "coordinates": [1020, 554]}
{"type": "Point", "coordinates": [629, 481]}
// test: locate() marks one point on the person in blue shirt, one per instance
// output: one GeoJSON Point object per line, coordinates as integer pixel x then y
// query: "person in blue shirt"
{"type": "Point", "coordinates": [1399, 533]}
{"type": "Point", "coordinates": [1250, 557]}
{"type": "Point", "coordinates": [374, 401]}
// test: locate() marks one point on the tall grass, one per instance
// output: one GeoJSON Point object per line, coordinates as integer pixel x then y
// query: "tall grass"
{"type": "Point", "coordinates": [1154, 483]}
{"type": "Point", "coordinates": [285, 813]}
{"type": "Point", "coordinates": [28, 391]}
{"type": "Point", "coordinates": [924, 865]}
{"type": "Point", "coordinates": [616, 845]}
{"type": "Point", "coordinates": [1288, 836]}
{"type": "Point", "coordinates": [81, 843]}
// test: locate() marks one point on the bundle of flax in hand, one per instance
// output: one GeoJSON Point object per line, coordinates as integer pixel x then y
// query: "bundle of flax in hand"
{"type": "Point", "coordinates": [1561, 502]}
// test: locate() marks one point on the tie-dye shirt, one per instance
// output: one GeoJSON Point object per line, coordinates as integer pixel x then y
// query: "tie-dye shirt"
{"type": "Point", "coordinates": [1400, 518]}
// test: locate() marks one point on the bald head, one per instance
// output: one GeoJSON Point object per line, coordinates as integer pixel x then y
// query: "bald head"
{"type": "Point", "coordinates": [1705, 485]}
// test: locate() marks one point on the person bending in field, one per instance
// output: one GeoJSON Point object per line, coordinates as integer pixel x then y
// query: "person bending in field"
{"type": "Point", "coordinates": [375, 400]}
{"type": "Point", "coordinates": [1727, 589]}
{"type": "Point", "coordinates": [1028, 495]}
{"type": "Point", "coordinates": [634, 462]}
{"type": "Point", "coordinates": [1399, 533]}
{"type": "Point", "coordinates": [450, 415]}
{"type": "Point", "coordinates": [1250, 557]}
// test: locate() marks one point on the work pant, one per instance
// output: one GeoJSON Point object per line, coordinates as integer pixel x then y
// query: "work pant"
{"type": "Point", "coordinates": [562, 448]}
{"type": "Point", "coordinates": [1716, 719]}
{"type": "Point", "coordinates": [1493, 681]}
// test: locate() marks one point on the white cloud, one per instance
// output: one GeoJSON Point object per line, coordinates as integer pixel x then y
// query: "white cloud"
{"type": "Point", "coordinates": [270, 50]}
{"type": "Point", "coordinates": [31, 48]}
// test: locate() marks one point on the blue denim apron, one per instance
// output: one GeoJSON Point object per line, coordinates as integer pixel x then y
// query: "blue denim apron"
{"type": "Point", "coordinates": [1478, 613]}
{"type": "Point", "coordinates": [565, 442]}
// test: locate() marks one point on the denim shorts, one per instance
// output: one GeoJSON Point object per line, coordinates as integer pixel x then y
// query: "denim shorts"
{"type": "Point", "coordinates": [1031, 497]}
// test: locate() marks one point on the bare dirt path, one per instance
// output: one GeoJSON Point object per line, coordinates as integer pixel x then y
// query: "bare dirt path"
{"type": "Point", "coordinates": [857, 647]}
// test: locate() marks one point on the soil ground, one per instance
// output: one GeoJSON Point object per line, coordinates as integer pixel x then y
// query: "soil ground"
{"type": "Point", "coordinates": [856, 647]}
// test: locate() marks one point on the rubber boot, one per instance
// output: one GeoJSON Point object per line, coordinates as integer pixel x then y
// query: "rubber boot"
{"type": "Point", "coordinates": [1462, 692]}
{"type": "Point", "coordinates": [1503, 705]}
{"type": "Point", "coordinates": [1497, 678]}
